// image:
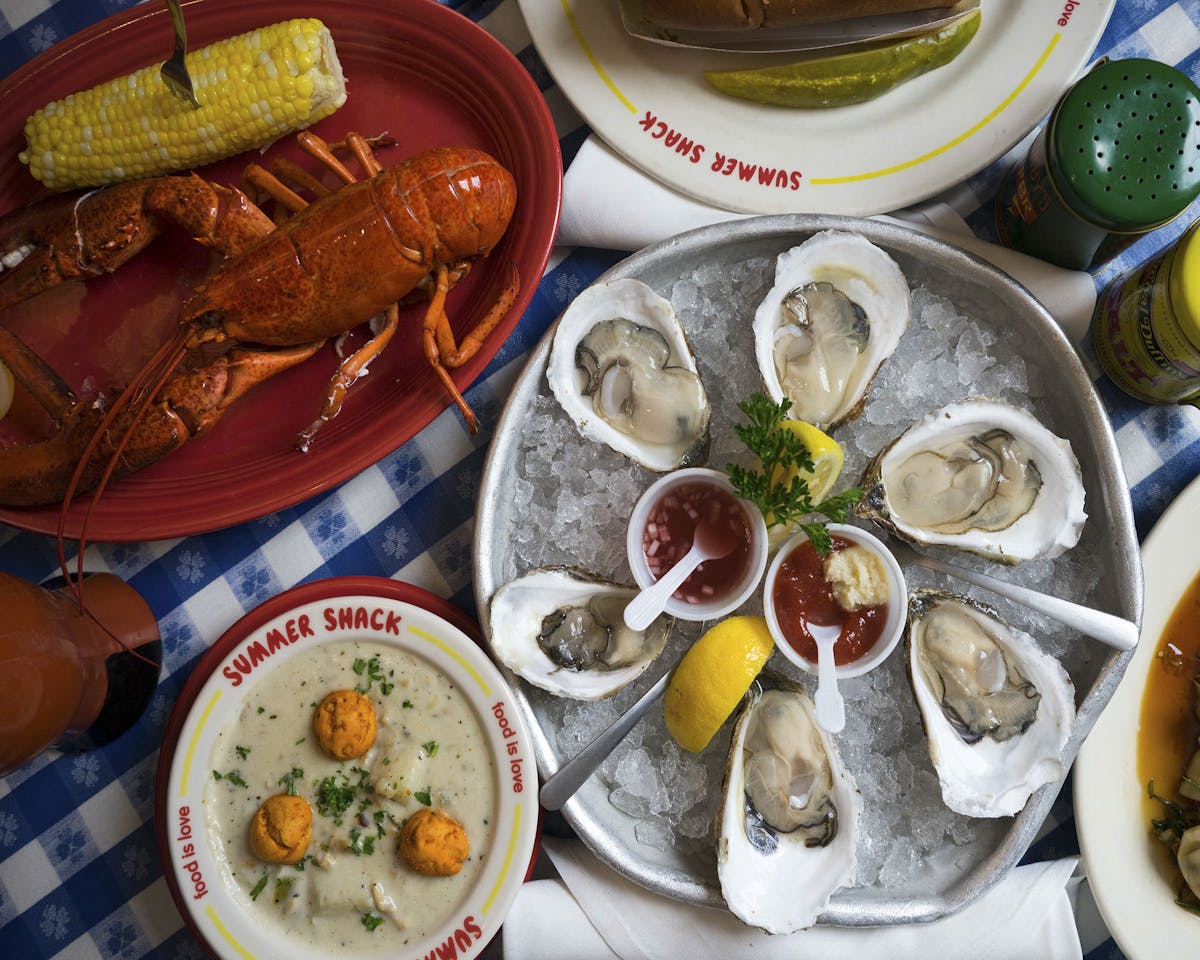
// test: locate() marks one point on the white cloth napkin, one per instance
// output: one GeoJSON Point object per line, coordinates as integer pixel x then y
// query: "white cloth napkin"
{"type": "Point", "coordinates": [608, 203]}
{"type": "Point", "coordinates": [595, 914]}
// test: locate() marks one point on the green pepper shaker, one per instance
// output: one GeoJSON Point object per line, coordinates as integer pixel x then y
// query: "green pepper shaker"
{"type": "Point", "coordinates": [1119, 157]}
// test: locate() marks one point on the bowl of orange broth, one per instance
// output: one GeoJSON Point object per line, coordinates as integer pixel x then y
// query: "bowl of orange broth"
{"type": "Point", "coordinates": [1147, 734]}
{"type": "Point", "coordinates": [446, 741]}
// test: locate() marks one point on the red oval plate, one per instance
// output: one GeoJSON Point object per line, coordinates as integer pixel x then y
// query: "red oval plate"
{"type": "Point", "coordinates": [306, 593]}
{"type": "Point", "coordinates": [414, 69]}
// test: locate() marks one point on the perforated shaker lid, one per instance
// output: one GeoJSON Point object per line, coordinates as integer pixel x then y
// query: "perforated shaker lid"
{"type": "Point", "coordinates": [1125, 144]}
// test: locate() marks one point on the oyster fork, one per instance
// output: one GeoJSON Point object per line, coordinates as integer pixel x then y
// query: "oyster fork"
{"type": "Point", "coordinates": [562, 785]}
{"type": "Point", "coordinates": [1115, 631]}
{"type": "Point", "coordinates": [174, 71]}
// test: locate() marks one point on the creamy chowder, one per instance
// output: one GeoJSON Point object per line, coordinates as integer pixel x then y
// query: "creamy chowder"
{"type": "Point", "coordinates": [352, 890]}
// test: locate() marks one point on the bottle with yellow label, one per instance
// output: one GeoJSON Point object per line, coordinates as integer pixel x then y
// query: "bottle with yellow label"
{"type": "Point", "coordinates": [1146, 327]}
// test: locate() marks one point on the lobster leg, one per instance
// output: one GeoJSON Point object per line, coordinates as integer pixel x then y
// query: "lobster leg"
{"type": "Point", "coordinates": [453, 355]}
{"type": "Point", "coordinates": [348, 371]}
{"type": "Point", "coordinates": [35, 375]}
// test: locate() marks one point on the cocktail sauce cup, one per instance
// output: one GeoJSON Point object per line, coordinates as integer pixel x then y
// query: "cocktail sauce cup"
{"type": "Point", "coordinates": [897, 602]}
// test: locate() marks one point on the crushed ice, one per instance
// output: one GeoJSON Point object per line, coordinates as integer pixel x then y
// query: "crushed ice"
{"type": "Point", "coordinates": [573, 502]}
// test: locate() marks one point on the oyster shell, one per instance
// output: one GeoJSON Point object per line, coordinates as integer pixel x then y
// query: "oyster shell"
{"type": "Point", "coordinates": [563, 631]}
{"type": "Point", "coordinates": [788, 824]}
{"type": "Point", "coordinates": [982, 476]}
{"type": "Point", "coordinates": [621, 368]}
{"type": "Point", "coordinates": [997, 710]}
{"type": "Point", "coordinates": [837, 310]}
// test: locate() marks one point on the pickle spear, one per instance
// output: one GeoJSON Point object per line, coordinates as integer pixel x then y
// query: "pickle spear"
{"type": "Point", "coordinates": [848, 78]}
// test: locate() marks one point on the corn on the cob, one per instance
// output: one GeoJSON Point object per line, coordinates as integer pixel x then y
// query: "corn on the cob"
{"type": "Point", "coordinates": [252, 88]}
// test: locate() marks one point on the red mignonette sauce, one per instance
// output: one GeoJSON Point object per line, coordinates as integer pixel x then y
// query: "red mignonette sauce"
{"type": "Point", "coordinates": [802, 595]}
{"type": "Point", "coordinates": [668, 533]}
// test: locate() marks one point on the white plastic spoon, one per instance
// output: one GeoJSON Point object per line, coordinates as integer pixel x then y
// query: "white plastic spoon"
{"type": "Point", "coordinates": [711, 541]}
{"type": "Point", "coordinates": [831, 708]}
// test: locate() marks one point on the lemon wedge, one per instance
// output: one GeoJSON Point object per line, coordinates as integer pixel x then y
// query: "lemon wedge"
{"type": "Point", "coordinates": [827, 457]}
{"type": "Point", "coordinates": [6, 389]}
{"type": "Point", "coordinates": [712, 677]}
{"type": "Point", "coordinates": [849, 78]}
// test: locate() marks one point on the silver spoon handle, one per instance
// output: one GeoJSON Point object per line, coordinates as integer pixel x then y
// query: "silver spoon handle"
{"type": "Point", "coordinates": [561, 786]}
{"type": "Point", "coordinates": [1116, 632]}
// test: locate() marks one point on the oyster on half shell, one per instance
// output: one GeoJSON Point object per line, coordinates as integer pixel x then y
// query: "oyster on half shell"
{"type": "Point", "coordinates": [563, 630]}
{"type": "Point", "coordinates": [788, 824]}
{"type": "Point", "coordinates": [621, 368]}
{"type": "Point", "coordinates": [982, 476]}
{"type": "Point", "coordinates": [997, 710]}
{"type": "Point", "coordinates": [837, 310]}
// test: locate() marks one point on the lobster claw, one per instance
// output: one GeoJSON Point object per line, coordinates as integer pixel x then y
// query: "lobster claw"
{"type": "Point", "coordinates": [72, 236]}
{"type": "Point", "coordinates": [30, 239]}
{"type": "Point", "coordinates": [192, 400]}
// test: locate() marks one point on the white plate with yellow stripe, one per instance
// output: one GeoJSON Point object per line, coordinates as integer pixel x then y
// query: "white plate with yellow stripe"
{"type": "Point", "coordinates": [446, 738]}
{"type": "Point", "coordinates": [653, 106]}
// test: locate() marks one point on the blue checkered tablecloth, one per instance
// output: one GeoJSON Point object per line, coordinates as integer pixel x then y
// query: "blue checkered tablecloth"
{"type": "Point", "coordinates": [79, 875]}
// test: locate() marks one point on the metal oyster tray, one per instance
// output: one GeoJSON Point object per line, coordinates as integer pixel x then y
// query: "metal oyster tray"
{"type": "Point", "coordinates": [957, 875]}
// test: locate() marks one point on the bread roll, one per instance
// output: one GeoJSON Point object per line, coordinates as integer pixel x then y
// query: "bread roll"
{"type": "Point", "coordinates": [753, 14]}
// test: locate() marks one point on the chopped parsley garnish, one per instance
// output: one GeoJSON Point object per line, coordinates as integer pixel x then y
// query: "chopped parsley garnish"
{"type": "Point", "coordinates": [233, 776]}
{"type": "Point", "coordinates": [424, 797]}
{"type": "Point", "coordinates": [379, 815]}
{"type": "Point", "coordinates": [299, 864]}
{"type": "Point", "coordinates": [371, 921]}
{"type": "Point", "coordinates": [334, 798]}
{"type": "Point", "coordinates": [258, 887]}
{"type": "Point", "coordinates": [430, 747]}
{"type": "Point", "coordinates": [288, 780]}
{"type": "Point", "coordinates": [374, 674]}
{"type": "Point", "coordinates": [360, 845]}
{"type": "Point", "coordinates": [300, 741]}
{"type": "Point", "coordinates": [262, 709]}
{"type": "Point", "coordinates": [242, 752]}
{"type": "Point", "coordinates": [779, 450]}
{"type": "Point", "coordinates": [283, 887]}
{"type": "Point", "coordinates": [336, 794]}
{"type": "Point", "coordinates": [407, 704]}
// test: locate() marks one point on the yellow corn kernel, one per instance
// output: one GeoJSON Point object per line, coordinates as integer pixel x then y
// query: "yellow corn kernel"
{"type": "Point", "coordinates": [252, 89]}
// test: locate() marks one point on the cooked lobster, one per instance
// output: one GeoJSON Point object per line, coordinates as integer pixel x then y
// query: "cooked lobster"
{"type": "Point", "coordinates": [406, 231]}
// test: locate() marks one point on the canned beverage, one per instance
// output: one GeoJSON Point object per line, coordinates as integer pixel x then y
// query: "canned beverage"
{"type": "Point", "coordinates": [1119, 156]}
{"type": "Point", "coordinates": [1146, 326]}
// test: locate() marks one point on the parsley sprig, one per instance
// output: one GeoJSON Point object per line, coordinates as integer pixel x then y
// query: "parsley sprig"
{"type": "Point", "coordinates": [778, 450]}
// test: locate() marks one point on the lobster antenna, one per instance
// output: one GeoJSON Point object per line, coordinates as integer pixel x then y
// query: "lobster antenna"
{"type": "Point", "coordinates": [166, 359]}
{"type": "Point", "coordinates": [119, 642]}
